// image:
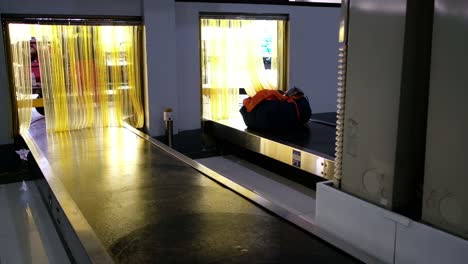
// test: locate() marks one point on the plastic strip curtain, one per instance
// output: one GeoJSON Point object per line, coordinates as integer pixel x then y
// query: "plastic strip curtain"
{"type": "Point", "coordinates": [90, 75]}
{"type": "Point", "coordinates": [21, 67]}
{"type": "Point", "coordinates": [280, 61]}
{"type": "Point", "coordinates": [232, 58]}
{"type": "Point", "coordinates": [260, 78]}
{"type": "Point", "coordinates": [224, 70]}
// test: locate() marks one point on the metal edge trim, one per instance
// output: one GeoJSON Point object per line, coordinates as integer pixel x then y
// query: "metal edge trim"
{"type": "Point", "coordinates": [325, 170]}
{"type": "Point", "coordinates": [315, 153]}
{"type": "Point", "coordinates": [244, 192]}
{"type": "Point", "coordinates": [88, 239]}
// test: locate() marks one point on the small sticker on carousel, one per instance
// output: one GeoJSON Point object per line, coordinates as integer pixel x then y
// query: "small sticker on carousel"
{"type": "Point", "coordinates": [296, 158]}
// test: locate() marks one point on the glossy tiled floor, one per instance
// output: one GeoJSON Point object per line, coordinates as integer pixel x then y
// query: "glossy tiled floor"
{"type": "Point", "coordinates": [27, 234]}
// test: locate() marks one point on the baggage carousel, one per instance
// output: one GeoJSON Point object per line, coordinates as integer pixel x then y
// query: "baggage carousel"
{"type": "Point", "coordinates": [311, 148]}
{"type": "Point", "coordinates": [116, 195]}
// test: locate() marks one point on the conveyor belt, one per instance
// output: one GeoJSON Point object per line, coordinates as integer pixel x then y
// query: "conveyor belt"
{"type": "Point", "coordinates": [313, 145]}
{"type": "Point", "coordinates": [145, 205]}
{"type": "Point", "coordinates": [327, 118]}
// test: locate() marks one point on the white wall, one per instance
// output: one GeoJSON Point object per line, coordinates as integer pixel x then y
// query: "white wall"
{"type": "Point", "coordinates": [373, 81]}
{"type": "Point", "coordinates": [313, 53]}
{"type": "Point", "coordinates": [161, 65]}
{"type": "Point", "coordinates": [445, 197]}
{"type": "Point", "coordinates": [73, 7]}
{"type": "Point", "coordinates": [5, 108]}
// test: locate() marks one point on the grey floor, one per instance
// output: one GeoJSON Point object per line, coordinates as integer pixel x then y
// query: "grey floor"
{"type": "Point", "coordinates": [27, 234]}
{"type": "Point", "coordinates": [294, 197]}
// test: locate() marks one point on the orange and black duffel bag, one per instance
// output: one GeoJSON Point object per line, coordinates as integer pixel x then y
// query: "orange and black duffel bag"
{"type": "Point", "coordinates": [272, 110]}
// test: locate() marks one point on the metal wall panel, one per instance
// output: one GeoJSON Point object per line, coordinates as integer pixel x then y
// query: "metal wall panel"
{"type": "Point", "coordinates": [373, 79]}
{"type": "Point", "coordinates": [445, 196]}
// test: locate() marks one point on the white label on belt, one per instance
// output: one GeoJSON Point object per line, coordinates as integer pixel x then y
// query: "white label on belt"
{"type": "Point", "coordinates": [296, 158]}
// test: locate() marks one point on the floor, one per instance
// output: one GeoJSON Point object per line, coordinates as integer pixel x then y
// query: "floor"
{"type": "Point", "coordinates": [27, 234]}
{"type": "Point", "coordinates": [296, 198]}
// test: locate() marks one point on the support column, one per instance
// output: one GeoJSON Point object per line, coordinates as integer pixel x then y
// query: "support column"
{"type": "Point", "coordinates": [6, 133]}
{"type": "Point", "coordinates": [162, 92]}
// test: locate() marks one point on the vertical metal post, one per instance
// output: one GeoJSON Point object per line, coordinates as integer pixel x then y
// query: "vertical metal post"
{"type": "Point", "coordinates": [168, 121]}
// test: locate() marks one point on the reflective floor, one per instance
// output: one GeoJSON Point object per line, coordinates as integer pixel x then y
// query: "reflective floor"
{"type": "Point", "coordinates": [27, 234]}
{"type": "Point", "coordinates": [146, 206]}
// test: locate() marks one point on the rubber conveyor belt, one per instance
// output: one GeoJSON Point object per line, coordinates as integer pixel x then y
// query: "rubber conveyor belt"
{"type": "Point", "coordinates": [140, 202]}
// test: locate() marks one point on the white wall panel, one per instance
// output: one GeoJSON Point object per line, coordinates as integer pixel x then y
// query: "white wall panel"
{"type": "Point", "coordinates": [418, 243]}
{"type": "Point", "coordinates": [5, 106]}
{"type": "Point", "coordinates": [373, 81]}
{"type": "Point", "coordinates": [356, 222]}
{"type": "Point", "coordinates": [446, 177]}
{"type": "Point", "coordinates": [161, 63]}
{"type": "Point", "coordinates": [73, 7]}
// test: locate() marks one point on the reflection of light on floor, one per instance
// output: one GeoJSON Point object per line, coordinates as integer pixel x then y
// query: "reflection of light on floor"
{"type": "Point", "coordinates": [34, 242]}
{"type": "Point", "coordinates": [27, 234]}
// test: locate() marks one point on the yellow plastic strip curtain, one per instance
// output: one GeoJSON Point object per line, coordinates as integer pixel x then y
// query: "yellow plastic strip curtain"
{"type": "Point", "coordinates": [261, 78]}
{"type": "Point", "coordinates": [280, 62]}
{"type": "Point", "coordinates": [225, 71]}
{"type": "Point", "coordinates": [21, 70]}
{"type": "Point", "coordinates": [232, 58]}
{"type": "Point", "coordinates": [90, 75]}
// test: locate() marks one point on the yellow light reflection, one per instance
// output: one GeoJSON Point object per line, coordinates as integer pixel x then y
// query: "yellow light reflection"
{"type": "Point", "coordinates": [115, 37]}
{"type": "Point", "coordinates": [341, 35]}
{"type": "Point", "coordinates": [21, 32]}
